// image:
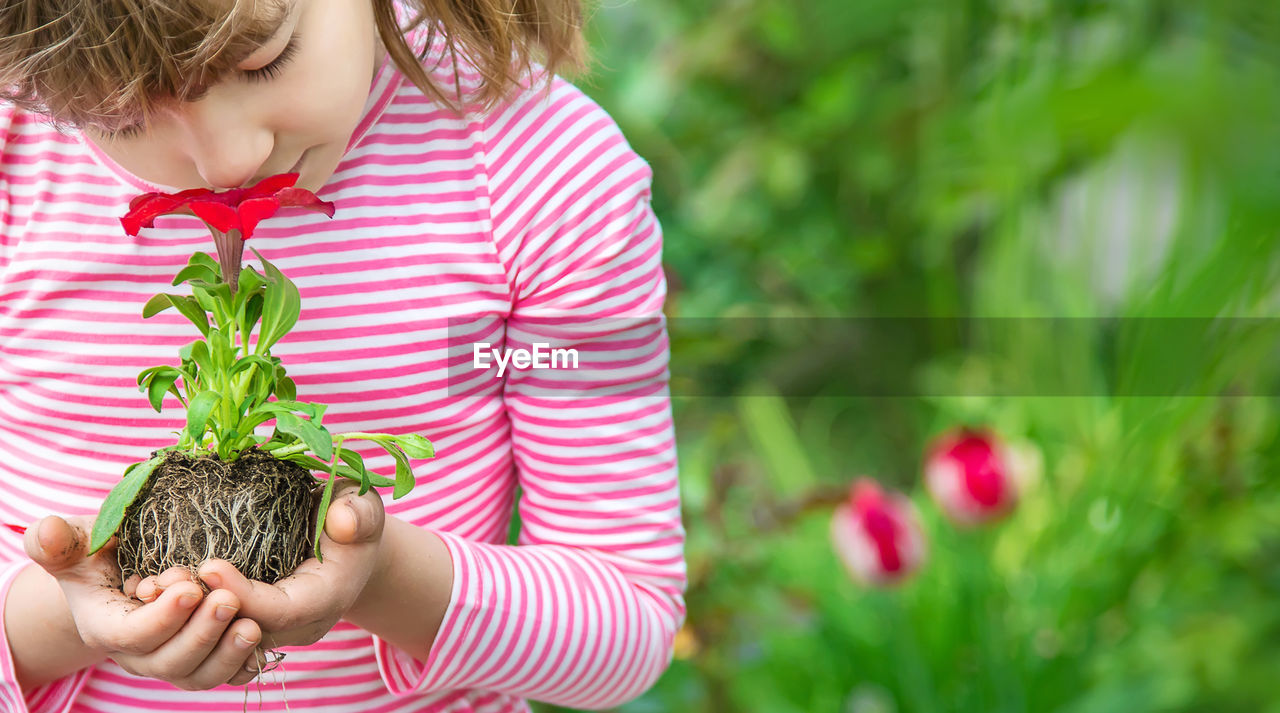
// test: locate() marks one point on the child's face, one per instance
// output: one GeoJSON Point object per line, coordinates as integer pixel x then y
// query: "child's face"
{"type": "Point", "coordinates": [248, 127]}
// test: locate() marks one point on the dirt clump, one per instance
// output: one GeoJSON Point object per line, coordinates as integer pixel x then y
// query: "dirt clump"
{"type": "Point", "coordinates": [255, 512]}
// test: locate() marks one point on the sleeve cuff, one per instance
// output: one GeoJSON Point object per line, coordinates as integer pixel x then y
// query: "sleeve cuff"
{"type": "Point", "coordinates": [404, 675]}
{"type": "Point", "coordinates": [54, 697]}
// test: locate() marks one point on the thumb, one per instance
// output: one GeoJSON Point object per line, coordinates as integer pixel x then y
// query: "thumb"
{"type": "Point", "coordinates": [353, 519]}
{"type": "Point", "coordinates": [55, 544]}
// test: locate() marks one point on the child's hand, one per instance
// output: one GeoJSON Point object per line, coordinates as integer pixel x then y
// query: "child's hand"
{"type": "Point", "coordinates": [176, 638]}
{"type": "Point", "coordinates": [301, 608]}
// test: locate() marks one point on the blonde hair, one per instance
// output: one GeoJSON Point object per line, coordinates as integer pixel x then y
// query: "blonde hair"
{"type": "Point", "coordinates": [107, 62]}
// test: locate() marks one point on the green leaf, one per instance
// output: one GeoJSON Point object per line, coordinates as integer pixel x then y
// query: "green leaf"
{"type": "Point", "coordinates": [325, 499]}
{"type": "Point", "coordinates": [311, 411]}
{"type": "Point", "coordinates": [252, 313]}
{"type": "Point", "coordinates": [281, 306]}
{"type": "Point", "coordinates": [195, 272]}
{"type": "Point", "coordinates": [224, 354]}
{"type": "Point", "coordinates": [198, 412]}
{"type": "Point", "coordinates": [263, 385]}
{"type": "Point", "coordinates": [404, 474]}
{"type": "Point", "coordinates": [186, 305]}
{"type": "Point", "coordinates": [264, 364]}
{"type": "Point", "coordinates": [286, 389]}
{"type": "Point", "coordinates": [160, 383]}
{"type": "Point", "coordinates": [250, 280]}
{"type": "Point", "coordinates": [199, 258]}
{"type": "Point", "coordinates": [145, 375]}
{"type": "Point", "coordinates": [312, 463]}
{"type": "Point", "coordinates": [200, 355]}
{"type": "Point", "coordinates": [222, 291]}
{"type": "Point", "coordinates": [156, 305]}
{"type": "Point", "coordinates": [111, 514]}
{"type": "Point", "coordinates": [415, 446]}
{"type": "Point", "coordinates": [404, 471]}
{"type": "Point", "coordinates": [316, 438]}
{"type": "Point", "coordinates": [356, 462]}
{"type": "Point", "coordinates": [204, 297]}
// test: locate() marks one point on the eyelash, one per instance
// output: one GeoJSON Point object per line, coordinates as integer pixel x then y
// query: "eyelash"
{"type": "Point", "coordinates": [269, 72]}
{"type": "Point", "coordinates": [262, 74]}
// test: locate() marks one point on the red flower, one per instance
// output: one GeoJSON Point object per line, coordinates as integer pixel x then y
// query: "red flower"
{"type": "Point", "coordinates": [970, 474]}
{"type": "Point", "coordinates": [233, 209]}
{"type": "Point", "coordinates": [877, 535]}
{"type": "Point", "coordinates": [230, 214]}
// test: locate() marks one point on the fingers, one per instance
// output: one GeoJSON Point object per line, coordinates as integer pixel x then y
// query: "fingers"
{"type": "Point", "coordinates": [110, 622]}
{"type": "Point", "coordinates": [211, 648]}
{"type": "Point", "coordinates": [354, 518]}
{"type": "Point", "coordinates": [55, 545]}
{"type": "Point", "coordinates": [226, 663]}
{"type": "Point", "coordinates": [253, 666]}
{"type": "Point", "coordinates": [259, 601]}
{"type": "Point", "coordinates": [131, 586]}
{"type": "Point", "coordinates": [151, 587]}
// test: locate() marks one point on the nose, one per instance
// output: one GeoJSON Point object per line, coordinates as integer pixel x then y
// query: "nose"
{"type": "Point", "coordinates": [228, 147]}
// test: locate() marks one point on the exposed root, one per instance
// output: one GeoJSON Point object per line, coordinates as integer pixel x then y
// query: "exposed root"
{"type": "Point", "coordinates": [254, 512]}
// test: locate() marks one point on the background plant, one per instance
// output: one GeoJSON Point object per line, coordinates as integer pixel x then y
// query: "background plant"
{"type": "Point", "coordinates": [1113, 164]}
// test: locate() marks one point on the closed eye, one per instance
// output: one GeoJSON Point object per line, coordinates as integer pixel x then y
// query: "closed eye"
{"type": "Point", "coordinates": [270, 71]}
{"type": "Point", "coordinates": [261, 74]}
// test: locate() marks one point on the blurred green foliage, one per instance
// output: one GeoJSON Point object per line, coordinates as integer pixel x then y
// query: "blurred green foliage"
{"type": "Point", "coordinates": [1006, 158]}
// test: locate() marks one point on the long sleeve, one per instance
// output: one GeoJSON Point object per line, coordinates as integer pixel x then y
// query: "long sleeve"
{"type": "Point", "coordinates": [58, 695]}
{"type": "Point", "coordinates": [53, 697]}
{"type": "Point", "coordinates": [583, 612]}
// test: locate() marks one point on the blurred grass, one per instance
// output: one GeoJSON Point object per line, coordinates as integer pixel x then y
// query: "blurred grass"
{"type": "Point", "coordinates": [1012, 158]}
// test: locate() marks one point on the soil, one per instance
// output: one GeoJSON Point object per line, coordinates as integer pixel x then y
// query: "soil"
{"type": "Point", "coordinates": [254, 512]}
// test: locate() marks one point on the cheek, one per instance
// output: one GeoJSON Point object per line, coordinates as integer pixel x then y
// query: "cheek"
{"type": "Point", "coordinates": [325, 90]}
{"type": "Point", "coordinates": [320, 99]}
{"type": "Point", "coordinates": [325, 99]}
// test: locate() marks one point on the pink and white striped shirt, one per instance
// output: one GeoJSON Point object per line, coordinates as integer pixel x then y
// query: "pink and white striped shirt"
{"type": "Point", "coordinates": [537, 210]}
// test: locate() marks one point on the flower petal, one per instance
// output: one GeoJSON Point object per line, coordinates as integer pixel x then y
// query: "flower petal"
{"type": "Point", "coordinates": [877, 535]}
{"type": "Point", "coordinates": [143, 198]}
{"type": "Point", "coordinates": [144, 210]}
{"type": "Point", "coordinates": [303, 198]}
{"type": "Point", "coordinates": [270, 185]}
{"type": "Point", "coordinates": [969, 476]}
{"type": "Point", "coordinates": [254, 211]}
{"type": "Point", "coordinates": [219, 216]}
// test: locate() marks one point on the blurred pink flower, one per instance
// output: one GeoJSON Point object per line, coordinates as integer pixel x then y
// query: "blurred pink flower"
{"type": "Point", "coordinates": [970, 474]}
{"type": "Point", "coordinates": [877, 535]}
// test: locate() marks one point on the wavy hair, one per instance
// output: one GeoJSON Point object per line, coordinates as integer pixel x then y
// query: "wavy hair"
{"type": "Point", "coordinates": [110, 62]}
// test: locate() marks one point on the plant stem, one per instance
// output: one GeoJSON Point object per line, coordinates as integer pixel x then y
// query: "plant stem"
{"type": "Point", "coordinates": [289, 450]}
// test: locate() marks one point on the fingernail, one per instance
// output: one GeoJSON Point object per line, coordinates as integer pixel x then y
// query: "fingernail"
{"type": "Point", "coordinates": [224, 612]}
{"type": "Point", "coordinates": [244, 643]}
{"type": "Point", "coordinates": [211, 580]}
{"type": "Point", "coordinates": [188, 600]}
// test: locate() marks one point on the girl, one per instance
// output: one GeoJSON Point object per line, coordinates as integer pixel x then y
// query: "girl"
{"type": "Point", "coordinates": [477, 197]}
